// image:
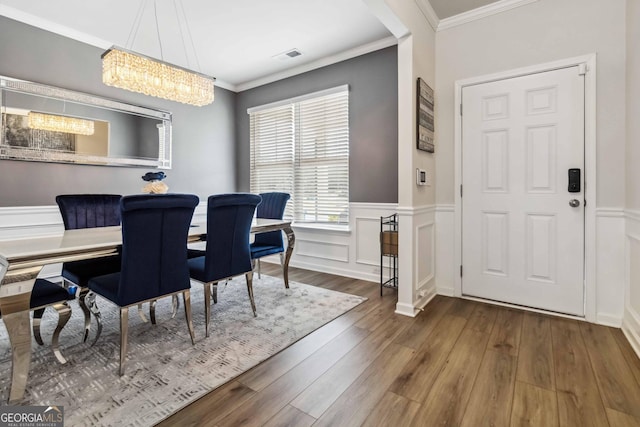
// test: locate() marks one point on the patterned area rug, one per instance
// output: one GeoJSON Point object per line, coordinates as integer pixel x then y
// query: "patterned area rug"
{"type": "Point", "coordinates": [164, 372]}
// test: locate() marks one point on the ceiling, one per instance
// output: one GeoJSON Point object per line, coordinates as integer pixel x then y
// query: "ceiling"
{"type": "Point", "coordinates": [238, 41]}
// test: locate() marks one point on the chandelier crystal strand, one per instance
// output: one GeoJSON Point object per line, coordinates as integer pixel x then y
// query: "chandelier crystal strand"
{"type": "Point", "coordinates": [138, 73]}
{"type": "Point", "coordinates": [56, 123]}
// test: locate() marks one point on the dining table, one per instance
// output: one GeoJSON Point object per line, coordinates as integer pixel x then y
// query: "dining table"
{"type": "Point", "coordinates": [21, 261]}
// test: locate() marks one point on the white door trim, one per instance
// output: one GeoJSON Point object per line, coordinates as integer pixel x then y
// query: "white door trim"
{"type": "Point", "coordinates": [590, 165]}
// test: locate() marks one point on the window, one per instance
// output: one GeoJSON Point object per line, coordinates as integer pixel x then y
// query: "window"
{"type": "Point", "coordinates": [301, 146]}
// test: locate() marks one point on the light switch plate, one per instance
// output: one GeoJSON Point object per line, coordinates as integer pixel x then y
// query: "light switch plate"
{"type": "Point", "coordinates": [422, 177]}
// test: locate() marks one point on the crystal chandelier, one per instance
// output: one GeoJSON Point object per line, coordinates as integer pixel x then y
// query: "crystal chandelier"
{"type": "Point", "coordinates": [138, 73]}
{"type": "Point", "coordinates": [132, 71]}
{"type": "Point", "coordinates": [60, 123]}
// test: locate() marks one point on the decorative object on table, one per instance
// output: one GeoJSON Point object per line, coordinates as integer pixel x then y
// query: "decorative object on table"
{"type": "Point", "coordinates": [132, 71]}
{"type": "Point", "coordinates": [154, 183]}
{"type": "Point", "coordinates": [424, 117]}
{"type": "Point", "coordinates": [167, 372]}
{"type": "Point", "coordinates": [389, 249]}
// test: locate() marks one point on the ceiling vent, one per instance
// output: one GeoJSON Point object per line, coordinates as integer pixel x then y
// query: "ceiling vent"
{"type": "Point", "coordinates": [288, 54]}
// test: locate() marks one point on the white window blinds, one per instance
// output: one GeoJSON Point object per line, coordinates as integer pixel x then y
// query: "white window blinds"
{"type": "Point", "coordinates": [302, 147]}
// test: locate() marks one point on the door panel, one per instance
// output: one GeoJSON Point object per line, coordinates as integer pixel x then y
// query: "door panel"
{"type": "Point", "coordinates": [522, 242]}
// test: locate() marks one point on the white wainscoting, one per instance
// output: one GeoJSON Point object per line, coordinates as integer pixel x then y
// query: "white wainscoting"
{"type": "Point", "coordinates": [445, 250]}
{"type": "Point", "coordinates": [610, 267]}
{"type": "Point", "coordinates": [29, 221]}
{"type": "Point", "coordinates": [32, 221]}
{"type": "Point", "coordinates": [631, 319]}
{"type": "Point", "coordinates": [416, 258]}
{"type": "Point", "coordinates": [39, 221]}
{"type": "Point", "coordinates": [353, 253]}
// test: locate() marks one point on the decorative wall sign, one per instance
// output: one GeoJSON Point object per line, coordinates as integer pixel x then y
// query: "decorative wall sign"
{"type": "Point", "coordinates": [424, 116]}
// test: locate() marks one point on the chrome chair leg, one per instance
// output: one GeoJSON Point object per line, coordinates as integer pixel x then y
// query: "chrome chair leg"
{"type": "Point", "coordinates": [215, 293]}
{"type": "Point", "coordinates": [175, 305]}
{"type": "Point", "coordinates": [249, 277]}
{"type": "Point", "coordinates": [37, 320]}
{"type": "Point", "coordinates": [207, 308]}
{"type": "Point", "coordinates": [282, 262]}
{"type": "Point", "coordinates": [152, 311]}
{"type": "Point", "coordinates": [141, 314]}
{"type": "Point", "coordinates": [64, 314]}
{"type": "Point", "coordinates": [259, 276]}
{"type": "Point", "coordinates": [82, 295]}
{"type": "Point", "coordinates": [124, 330]}
{"type": "Point", "coordinates": [96, 313]}
{"type": "Point", "coordinates": [186, 296]}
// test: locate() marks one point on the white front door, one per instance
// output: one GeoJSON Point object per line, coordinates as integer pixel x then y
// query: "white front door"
{"type": "Point", "coordinates": [522, 233]}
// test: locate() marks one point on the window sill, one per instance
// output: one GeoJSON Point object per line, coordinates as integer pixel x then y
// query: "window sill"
{"type": "Point", "coordinates": [321, 227]}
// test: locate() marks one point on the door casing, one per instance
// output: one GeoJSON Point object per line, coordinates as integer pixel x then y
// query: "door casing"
{"type": "Point", "coordinates": [588, 61]}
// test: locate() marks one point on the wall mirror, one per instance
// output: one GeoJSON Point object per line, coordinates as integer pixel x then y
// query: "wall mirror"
{"type": "Point", "coordinates": [49, 124]}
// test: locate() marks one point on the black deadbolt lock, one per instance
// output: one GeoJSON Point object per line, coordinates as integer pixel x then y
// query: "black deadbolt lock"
{"type": "Point", "coordinates": [574, 181]}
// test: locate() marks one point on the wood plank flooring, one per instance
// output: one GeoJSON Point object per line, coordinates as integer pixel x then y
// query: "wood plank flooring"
{"type": "Point", "coordinates": [458, 363]}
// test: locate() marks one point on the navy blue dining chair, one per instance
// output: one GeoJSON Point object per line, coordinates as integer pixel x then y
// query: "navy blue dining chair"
{"type": "Point", "coordinates": [227, 253]}
{"type": "Point", "coordinates": [155, 228]}
{"type": "Point", "coordinates": [48, 294]}
{"type": "Point", "coordinates": [272, 207]}
{"type": "Point", "coordinates": [89, 211]}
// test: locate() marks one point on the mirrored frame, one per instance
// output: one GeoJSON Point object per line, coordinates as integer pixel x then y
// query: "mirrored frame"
{"type": "Point", "coordinates": [107, 113]}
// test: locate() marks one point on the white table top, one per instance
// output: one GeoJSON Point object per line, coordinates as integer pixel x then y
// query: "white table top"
{"type": "Point", "coordinates": [88, 239]}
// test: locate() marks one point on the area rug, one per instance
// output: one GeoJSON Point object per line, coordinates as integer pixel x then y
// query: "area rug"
{"type": "Point", "coordinates": [164, 371]}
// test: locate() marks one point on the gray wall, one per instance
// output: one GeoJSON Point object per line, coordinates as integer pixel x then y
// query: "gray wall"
{"type": "Point", "coordinates": [203, 137]}
{"type": "Point", "coordinates": [373, 120]}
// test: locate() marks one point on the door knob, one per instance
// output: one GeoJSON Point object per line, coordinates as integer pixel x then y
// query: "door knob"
{"type": "Point", "coordinates": [574, 203]}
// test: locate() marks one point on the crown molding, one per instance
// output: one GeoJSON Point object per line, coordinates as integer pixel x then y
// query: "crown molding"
{"type": "Point", "coordinates": [45, 24]}
{"type": "Point", "coordinates": [428, 12]}
{"type": "Point", "coordinates": [481, 12]}
{"type": "Point", "coordinates": [322, 62]}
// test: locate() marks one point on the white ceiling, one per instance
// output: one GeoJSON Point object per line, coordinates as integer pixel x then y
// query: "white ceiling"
{"type": "Point", "coordinates": [235, 41]}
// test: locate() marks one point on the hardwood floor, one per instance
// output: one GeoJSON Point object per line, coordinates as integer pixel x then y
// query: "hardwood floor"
{"type": "Point", "coordinates": [459, 363]}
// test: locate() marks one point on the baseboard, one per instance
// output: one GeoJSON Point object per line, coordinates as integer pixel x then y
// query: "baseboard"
{"type": "Point", "coordinates": [411, 310]}
{"type": "Point", "coordinates": [447, 292]}
{"type": "Point", "coordinates": [406, 310]}
{"type": "Point", "coordinates": [323, 268]}
{"type": "Point", "coordinates": [608, 320]}
{"type": "Point", "coordinates": [428, 296]}
{"type": "Point", "coordinates": [631, 329]}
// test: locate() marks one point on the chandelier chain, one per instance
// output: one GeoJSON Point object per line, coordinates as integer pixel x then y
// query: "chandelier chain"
{"type": "Point", "coordinates": [133, 32]}
{"type": "Point", "coordinates": [155, 11]}
{"type": "Point", "coordinates": [193, 46]}
{"type": "Point", "coordinates": [184, 46]}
